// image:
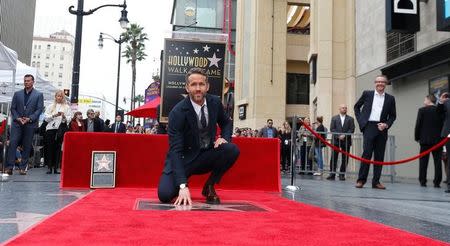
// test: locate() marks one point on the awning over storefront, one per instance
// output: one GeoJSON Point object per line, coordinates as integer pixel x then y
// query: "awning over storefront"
{"type": "Point", "coordinates": [418, 62]}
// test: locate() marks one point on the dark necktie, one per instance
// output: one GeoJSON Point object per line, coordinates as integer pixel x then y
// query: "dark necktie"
{"type": "Point", "coordinates": [203, 117]}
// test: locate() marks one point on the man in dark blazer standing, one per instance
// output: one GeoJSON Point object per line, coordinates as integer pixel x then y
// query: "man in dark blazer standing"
{"type": "Point", "coordinates": [92, 124]}
{"type": "Point", "coordinates": [193, 148]}
{"type": "Point", "coordinates": [118, 126]}
{"type": "Point", "coordinates": [341, 123]}
{"type": "Point", "coordinates": [375, 112]}
{"type": "Point", "coordinates": [26, 107]}
{"type": "Point", "coordinates": [443, 109]}
{"type": "Point", "coordinates": [427, 132]}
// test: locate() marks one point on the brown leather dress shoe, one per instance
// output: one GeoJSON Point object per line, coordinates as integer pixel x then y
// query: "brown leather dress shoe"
{"type": "Point", "coordinates": [210, 193]}
{"type": "Point", "coordinates": [9, 172]}
{"type": "Point", "coordinates": [359, 184]}
{"type": "Point", "coordinates": [379, 186]}
{"type": "Point", "coordinates": [23, 172]}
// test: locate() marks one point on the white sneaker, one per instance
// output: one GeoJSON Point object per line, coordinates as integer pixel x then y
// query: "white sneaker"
{"type": "Point", "coordinates": [317, 174]}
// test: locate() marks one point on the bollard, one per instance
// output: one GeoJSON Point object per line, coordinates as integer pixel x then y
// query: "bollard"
{"type": "Point", "coordinates": [292, 186]}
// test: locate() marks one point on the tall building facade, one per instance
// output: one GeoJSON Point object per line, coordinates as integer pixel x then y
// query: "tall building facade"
{"type": "Point", "coordinates": [332, 57]}
{"type": "Point", "coordinates": [53, 57]}
{"type": "Point", "coordinates": [416, 64]}
{"type": "Point", "coordinates": [272, 71]}
{"type": "Point", "coordinates": [17, 25]}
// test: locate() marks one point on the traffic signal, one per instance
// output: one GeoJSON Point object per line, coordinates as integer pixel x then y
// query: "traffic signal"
{"type": "Point", "coordinates": [66, 92]}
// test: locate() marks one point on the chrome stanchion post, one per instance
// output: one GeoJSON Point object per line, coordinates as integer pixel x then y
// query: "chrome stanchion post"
{"type": "Point", "coordinates": [292, 186]}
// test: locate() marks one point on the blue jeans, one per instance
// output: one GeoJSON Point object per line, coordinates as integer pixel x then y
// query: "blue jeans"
{"type": "Point", "coordinates": [319, 157]}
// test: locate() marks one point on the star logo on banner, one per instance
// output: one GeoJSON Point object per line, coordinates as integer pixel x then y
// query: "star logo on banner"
{"type": "Point", "coordinates": [103, 163]}
{"type": "Point", "coordinates": [23, 220]}
{"type": "Point", "coordinates": [214, 61]}
{"type": "Point", "coordinates": [195, 51]}
{"type": "Point", "coordinates": [206, 48]}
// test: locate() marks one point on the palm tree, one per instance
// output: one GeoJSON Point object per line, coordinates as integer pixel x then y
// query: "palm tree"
{"type": "Point", "coordinates": [139, 99]}
{"type": "Point", "coordinates": [134, 51]}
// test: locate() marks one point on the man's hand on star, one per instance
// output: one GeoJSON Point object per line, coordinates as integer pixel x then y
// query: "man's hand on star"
{"type": "Point", "coordinates": [219, 141]}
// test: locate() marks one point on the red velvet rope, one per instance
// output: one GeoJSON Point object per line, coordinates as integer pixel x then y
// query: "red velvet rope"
{"type": "Point", "coordinates": [440, 144]}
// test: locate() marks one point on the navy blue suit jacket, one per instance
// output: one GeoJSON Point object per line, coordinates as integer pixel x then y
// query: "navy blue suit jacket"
{"type": "Point", "coordinates": [184, 140]}
{"type": "Point", "coordinates": [32, 109]}
{"type": "Point", "coordinates": [388, 113]}
{"type": "Point", "coordinates": [122, 128]}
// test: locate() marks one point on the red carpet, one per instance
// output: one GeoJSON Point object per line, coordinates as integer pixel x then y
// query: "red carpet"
{"type": "Point", "coordinates": [106, 217]}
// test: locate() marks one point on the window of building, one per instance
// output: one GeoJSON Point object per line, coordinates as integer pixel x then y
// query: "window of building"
{"type": "Point", "coordinates": [34, 55]}
{"type": "Point", "coordinates": [54, 55]}
{"type": "Point", "coordinates": [61, 57]}
{"type": "Point", "coordinates": [399, 44]}
{"type": "Point", "coordinates": [33, 64]}
{"type": "Point", "coordinates": [46, 74]}
{"type": "Point", "coordinates": [39, 47]}
{"type": "Point", "coordinates": [47, 56]}
{"type": "Point", "coordinates": [38, 56]}
{"type": "Point", "coordinates": [61, 65]}
{"type": "Point", "coordinates": [63, 48]}
{"type": "Point", "coordinates": [297, 88]}
{"type": "Point", "coordinates": [48, 46]}
{"type": "Point", "coordinates": [35, 46]}
{"type": "Point", "coordinates": [46, 65]}
{"type": "Point", "coordinates": [59, 75]}
{"type": "Point", "coordinates": [38, 64]}
{"type": "Point", "coordinates": [59, 83]}
{"type": "Point", "coordinates": [54, 47]}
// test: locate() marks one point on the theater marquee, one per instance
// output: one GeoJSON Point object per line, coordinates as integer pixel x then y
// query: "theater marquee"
{"type": "Point", "coordinates": [179, 57]}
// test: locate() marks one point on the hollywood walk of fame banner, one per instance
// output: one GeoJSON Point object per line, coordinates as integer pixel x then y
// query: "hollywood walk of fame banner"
{"type": "Point", "coordinates": [103, 169]}
{"type": "Point", "coordinates": [180, 56]}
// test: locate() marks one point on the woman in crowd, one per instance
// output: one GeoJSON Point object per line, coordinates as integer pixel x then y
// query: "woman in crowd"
{"type": "Point", "coordinates": [285, 136]}
{"type": "Point", "coordinates": [305, 142]}
{"type": "Point", "coordinates": [55, 115]}
{"type": "Point", "coordinates": [318, 145]}
{"type": "Point", "coordinates": [77, 123]}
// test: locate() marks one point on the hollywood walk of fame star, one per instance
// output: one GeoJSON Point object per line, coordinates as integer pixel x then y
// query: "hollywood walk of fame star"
{"type": "Point", "coordinates": [198, 206]}
{"type": "Point", "coordinates": [206, 48]}
{"type": "Point", "coordinates": [195, 51]}
{"type": "Point", "coordinates": [214, 61]}
{"type": "Point", "coordinates": [103, 164]}
{"type": "Point", "coordinates": [23, 220]}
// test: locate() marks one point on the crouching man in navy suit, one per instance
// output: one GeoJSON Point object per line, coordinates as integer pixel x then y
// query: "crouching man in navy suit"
{"type": "Point", "coordinates": [193, 148]}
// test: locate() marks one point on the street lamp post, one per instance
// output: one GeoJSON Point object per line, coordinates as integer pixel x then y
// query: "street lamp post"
{"type": "Point", "coordinates": [77, 49]}
{"type": "Point", "coordinates": [119, 42]}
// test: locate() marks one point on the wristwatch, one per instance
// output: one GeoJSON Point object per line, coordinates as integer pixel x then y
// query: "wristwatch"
{"type": "Point", "coordinates": [182, 186]}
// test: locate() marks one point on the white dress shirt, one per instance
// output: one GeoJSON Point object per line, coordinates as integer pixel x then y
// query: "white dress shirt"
{"type": "Point", "coordinates": [198, 108]}
{"type": "Point", "coordinates": [377, 106]}
{"type": "Point", "coordinates": [342, 119]}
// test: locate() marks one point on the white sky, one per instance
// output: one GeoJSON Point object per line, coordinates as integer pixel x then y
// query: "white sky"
{"type": "Point", "coordinates": [98, 68]}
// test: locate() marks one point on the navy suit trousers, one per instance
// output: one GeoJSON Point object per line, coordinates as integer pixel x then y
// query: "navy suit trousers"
{"type": "Point", "coordinates": [217, 161]}
{"type": "Point", "coordinates": [20, 135]}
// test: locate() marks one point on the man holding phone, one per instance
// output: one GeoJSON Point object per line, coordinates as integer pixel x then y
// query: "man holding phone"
{"type": "Point", "coordinates": [443, 108]}
{"type": "Point", "coordinates": [375, 112]}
